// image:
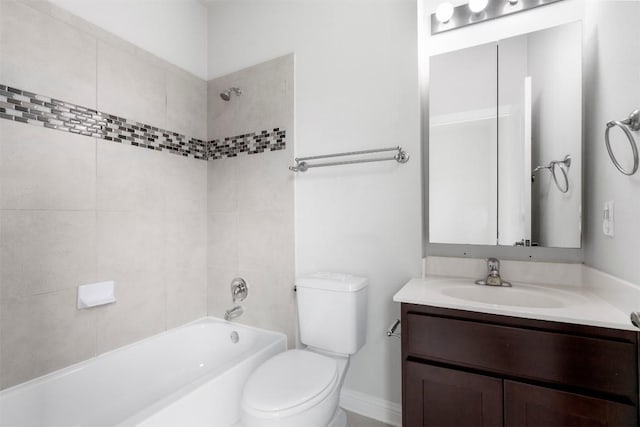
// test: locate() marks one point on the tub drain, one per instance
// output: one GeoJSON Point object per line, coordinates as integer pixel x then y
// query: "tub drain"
{"type": "Point", "coordinates": [234, 337]}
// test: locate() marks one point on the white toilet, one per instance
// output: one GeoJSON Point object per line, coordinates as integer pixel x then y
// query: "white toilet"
{"type": "Point", "coordinates": [302, 387]}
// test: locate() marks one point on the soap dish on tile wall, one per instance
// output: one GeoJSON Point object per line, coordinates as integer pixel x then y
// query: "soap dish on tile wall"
{"type": "Point", "coordinates": [96, 294]}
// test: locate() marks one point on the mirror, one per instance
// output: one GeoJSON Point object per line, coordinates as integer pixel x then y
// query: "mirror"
{"type": "Point", "coordinates": [505, 141]}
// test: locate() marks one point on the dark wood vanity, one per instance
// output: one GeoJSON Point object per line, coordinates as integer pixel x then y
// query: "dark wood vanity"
{"type": "Point", "coordinates": [464, 368]}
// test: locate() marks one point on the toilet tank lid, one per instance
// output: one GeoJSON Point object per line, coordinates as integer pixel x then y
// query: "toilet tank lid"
{"type": "Point", "coordinates": [337, 282]}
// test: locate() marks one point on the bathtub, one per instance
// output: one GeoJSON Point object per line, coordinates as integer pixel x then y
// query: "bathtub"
{"type": "Point", "coordinates": [189, 376]}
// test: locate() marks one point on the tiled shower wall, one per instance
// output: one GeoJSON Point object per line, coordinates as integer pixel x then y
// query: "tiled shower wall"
{"type": "Point", "coordinates": [77, 209]}
{"type": "Point", "coordinates": [250, 198]}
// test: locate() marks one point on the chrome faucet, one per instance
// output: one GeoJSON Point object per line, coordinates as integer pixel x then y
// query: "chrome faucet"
{"type": "Point", "coordinates": [493, 278]}
{"type": "Point", "coordinates": [233, 313]}
{"type": "Point", "coordinates": [239, 291]}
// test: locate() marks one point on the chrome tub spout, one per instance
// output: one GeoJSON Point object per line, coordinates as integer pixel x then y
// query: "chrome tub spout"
{"type": "Point", "coordinates": [233, 313]}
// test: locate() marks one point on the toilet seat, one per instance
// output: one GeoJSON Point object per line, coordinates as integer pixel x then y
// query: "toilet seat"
{"type": "Point", "coordinates": [289, 383]}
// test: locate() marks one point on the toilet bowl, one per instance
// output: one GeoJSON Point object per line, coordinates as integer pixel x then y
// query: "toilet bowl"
{"type": "Point", "coordinates": [295, 388]}
{"type": "Point", "coordinates": [301, 388]}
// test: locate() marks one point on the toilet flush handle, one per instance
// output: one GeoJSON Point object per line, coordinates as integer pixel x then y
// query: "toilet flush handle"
{"type": "Point", "coordinates": [391, 332]}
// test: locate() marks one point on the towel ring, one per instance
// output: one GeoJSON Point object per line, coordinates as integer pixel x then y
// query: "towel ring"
{"type": "Point", "coordinates": [563, 165]}
{"type": "Point", "coordinates": [633, 123]}
{"type": "Point", "coordinates": [555, 165]}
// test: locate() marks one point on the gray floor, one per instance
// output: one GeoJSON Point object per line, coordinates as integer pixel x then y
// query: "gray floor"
{"type": "Point", "coordinates": [356, 420]}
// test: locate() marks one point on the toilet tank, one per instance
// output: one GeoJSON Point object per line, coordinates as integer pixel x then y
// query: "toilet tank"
{"type": "Point", "coordinates": [332, 311]}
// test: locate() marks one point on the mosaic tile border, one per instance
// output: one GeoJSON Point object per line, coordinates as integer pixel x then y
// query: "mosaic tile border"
{"type": "Point", "coordinates": [39, 110]}
{"type": "Point", "coordinates": [251, 143]}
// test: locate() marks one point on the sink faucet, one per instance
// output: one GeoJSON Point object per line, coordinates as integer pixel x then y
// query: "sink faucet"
{"type": "Point", "coordinates": [493, 278]}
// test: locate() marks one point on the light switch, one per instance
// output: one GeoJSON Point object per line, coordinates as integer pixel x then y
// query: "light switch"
{"type": "Point", "coordinates": [608, 219]}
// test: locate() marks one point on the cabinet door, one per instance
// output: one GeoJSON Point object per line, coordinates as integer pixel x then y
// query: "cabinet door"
{"type": "Point", "coordinates": [532, 406]}
{"type": "Point", "coordinates": [435, 396]}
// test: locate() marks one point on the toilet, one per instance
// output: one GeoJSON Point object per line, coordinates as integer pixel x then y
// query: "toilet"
{"type": "Point", "coordinates": [301, 387]}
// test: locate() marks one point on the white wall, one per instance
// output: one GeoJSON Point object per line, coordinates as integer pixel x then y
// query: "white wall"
{"type": "Point", "coordinates": [356, 88]}
{"type": "Point", "coordinates": [612, 91]}
{"type": "Point", "coordinates": [174, 30]}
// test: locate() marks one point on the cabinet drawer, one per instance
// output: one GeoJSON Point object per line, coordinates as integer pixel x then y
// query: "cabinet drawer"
{"type": "Point", "coordinates": [581, 362]}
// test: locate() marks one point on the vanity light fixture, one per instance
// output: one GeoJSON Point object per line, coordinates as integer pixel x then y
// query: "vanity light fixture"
{"type": "Point", "coordinates": [444, 12]}
{"type": "Point", "coordinates": [477, 6]}
{"type": "Point", "coordinates": [448, 17]}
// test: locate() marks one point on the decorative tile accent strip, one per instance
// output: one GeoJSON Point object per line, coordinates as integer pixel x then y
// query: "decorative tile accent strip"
{"type": "Point", "coordinates": [251, 143]}
{"type": "Point", "coordinates": [27, 107]}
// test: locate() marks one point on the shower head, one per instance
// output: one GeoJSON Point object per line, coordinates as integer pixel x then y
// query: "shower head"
{"type": "Point", "coordinates": [226, 95]}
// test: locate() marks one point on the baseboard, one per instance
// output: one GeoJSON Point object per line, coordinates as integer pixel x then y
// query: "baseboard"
{"type": "Point", "coordinates": [371, 407]}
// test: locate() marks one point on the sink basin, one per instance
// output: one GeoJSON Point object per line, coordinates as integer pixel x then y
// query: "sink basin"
{"type": "Point", "coordinates": [516, 297]}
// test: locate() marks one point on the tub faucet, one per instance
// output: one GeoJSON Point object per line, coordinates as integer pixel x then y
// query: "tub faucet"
{"type": "Point", "coordinates": [233, 313]}
{"type": "Point", "coordinates": [493, 278]}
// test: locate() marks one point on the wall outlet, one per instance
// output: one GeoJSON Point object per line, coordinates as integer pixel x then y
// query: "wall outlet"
{"type": "Point", "coordinates": [608, 219]}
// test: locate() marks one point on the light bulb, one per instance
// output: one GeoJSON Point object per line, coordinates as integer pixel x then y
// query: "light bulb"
{"type": "Point", "coordinates": [478, 6]}
{"type": "Point", "coordinates": [444, 12]}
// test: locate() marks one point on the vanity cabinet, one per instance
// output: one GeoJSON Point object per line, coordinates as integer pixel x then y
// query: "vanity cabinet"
{"type": "Point", "coordinates": [463, 368]}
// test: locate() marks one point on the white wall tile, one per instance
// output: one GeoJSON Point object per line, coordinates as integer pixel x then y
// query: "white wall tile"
{"type": "Point", "coordinates": [222, 192]}
{"type": "Point", "coordinates": [138, 313]}
{"type": "Point", "coordinates": [42, 333]}
{"type": "Point", "coordinates": [265, 182]}
{"type": "Point", "coordinates": [36, 50]}
{"type": "Point", "coordinates": [219, 279]}
{"type": "Point", "coordinates": [270, 303]}
{"type": "Point", "coordinates": [130, 246]}
{"type": "Point", "coordinates": [223, 239]}
{"type": "Point", "coordinates": [45, 251]}
{"type": "Point", "coordinates": [130, 178]}
{"type": "Point", "coordinates": [186, 104]}
{"type": "Point", "coordinates": [45, 169]}
{"type": "Point", "coordinates": [250, 199]}
{"type": "Point", "coordinates": [185, 241]}
{"type": "Point", "coordinates": [185, 266]}
{"type": "Point", "coordinates": [186, 296]}
{"type": "Point", "coordinates": [184, 183]}
{"type": "Point", "coordinates": [266, 101]}
{"type": "Point", "coordinates": [130, 86]}
{"type": "Point", "coordinates": [265, 240]}
{"type": "Point", "coordinates": [74, 210]}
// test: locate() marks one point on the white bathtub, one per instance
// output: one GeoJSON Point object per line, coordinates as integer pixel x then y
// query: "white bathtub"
{"type": "Point", "coordinates": [189, 376]}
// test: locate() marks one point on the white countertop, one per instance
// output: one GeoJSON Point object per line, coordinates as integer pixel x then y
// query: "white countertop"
{"type": "Point", "coordinates": [566, 304]}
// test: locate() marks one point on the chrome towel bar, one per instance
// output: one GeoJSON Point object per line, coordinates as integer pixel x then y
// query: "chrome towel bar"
{"type": "Point", "coordinates": [631, 123]}
{"type": "Point", "coordinates": [302, 164]}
